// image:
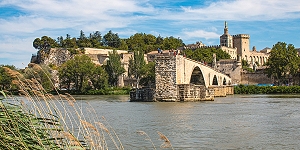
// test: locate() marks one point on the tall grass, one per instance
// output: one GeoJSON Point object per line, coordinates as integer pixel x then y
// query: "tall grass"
{"type": "Point", "coordinates": [39, 120]}
{"type": "Point", "coordinates": [45, 121]}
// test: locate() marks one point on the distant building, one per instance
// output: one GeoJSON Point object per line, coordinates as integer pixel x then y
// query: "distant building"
{"type": "Point", "coordinates": [239, 45]}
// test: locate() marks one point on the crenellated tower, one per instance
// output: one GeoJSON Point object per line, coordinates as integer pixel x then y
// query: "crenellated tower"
{"type": "Point", "coordinates": [242, 43]}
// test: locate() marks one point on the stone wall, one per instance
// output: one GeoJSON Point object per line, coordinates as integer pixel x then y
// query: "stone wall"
{"type": "Point", "coordinates": [255, 78]}
{"type": "Point", "coordinates": [143, 94]}
{"type": "Point", "coordinates": [165, 76]}
{"type": "Point", "coordinates": [231, 68]}
{"type": "Point", "coordinates": [191, 92]}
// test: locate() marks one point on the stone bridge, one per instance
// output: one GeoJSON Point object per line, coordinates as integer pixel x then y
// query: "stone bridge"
{"type": "Point", "coordinates": [182, 79]}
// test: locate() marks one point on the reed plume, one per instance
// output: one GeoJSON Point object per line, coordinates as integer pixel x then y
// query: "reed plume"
{"type": "Point", "coordinates": [167, 143]}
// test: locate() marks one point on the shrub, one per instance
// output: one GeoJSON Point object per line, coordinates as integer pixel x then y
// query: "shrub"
{"type": "Point", "coordinates": [254, 89]}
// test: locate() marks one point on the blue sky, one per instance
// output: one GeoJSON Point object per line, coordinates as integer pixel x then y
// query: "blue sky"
{"type": "Point", "coordinates": [267, 21]}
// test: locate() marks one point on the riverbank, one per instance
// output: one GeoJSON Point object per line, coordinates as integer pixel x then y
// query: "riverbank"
{"type": "Point", "coordinates": [107, 91]}
{"type": "Point", "coordinates": [255, 89]}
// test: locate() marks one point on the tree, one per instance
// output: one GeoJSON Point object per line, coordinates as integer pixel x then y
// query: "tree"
{"type": "Point", "coordinates": [112, 39]}
{"type": "Point", "coordinates": [159, 40]}
{"type": "Point", "coordinates": [66, 74]}
{"type": "Point", "coordinates": [45, 43]}
{"type": "Point", "coordinates": [41, 73]}
{"type": "Point", "coordinates": [61, 41]}
{"type": "Point", "coordinates": [206, 54]}
{"type": "Point", "coordinates": [96, 39]}
{"type": "Point", "coordinates": [136, 63]}
{"type": "Point", "coordinates": [99, 77]}
{"type": "Point", "coordinates": [123, 45]}
{"type": "Point", "coordinates": [141, 41]}
{"type": "Point", "coordinates": [83, 41]}
{"type": "Point", "coordinates": [5, 78]}
{"type": "Point", "coordinates": [114, 68]}
{"type": "Point", "coordinates": [148, 74]}
{"type": "Point", "coordinates": [70, 43]}
{"type": "Point", "coordinates": [283, 62]}
{"type": "Point", "coordinates": [172, 43]}
{"type": "Point", "coordinates": [77, 71]}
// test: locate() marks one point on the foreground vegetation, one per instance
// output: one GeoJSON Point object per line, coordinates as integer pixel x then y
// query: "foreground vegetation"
{"type": "Point", "coordinates": [38, 120]}
{"type": "Point", "coordinates": [255, 89]}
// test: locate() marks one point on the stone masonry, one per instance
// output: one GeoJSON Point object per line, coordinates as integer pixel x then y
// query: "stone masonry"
{"type": "Point", "coordinates": [165, 72]}
{"type": "Point", "coordinates": [173, 80]}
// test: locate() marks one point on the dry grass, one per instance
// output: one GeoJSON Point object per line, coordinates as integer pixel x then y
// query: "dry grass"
{"type": "Point", "coordinates": [64, 124]}
{"type": "Point", "coordinates": [167, 143]}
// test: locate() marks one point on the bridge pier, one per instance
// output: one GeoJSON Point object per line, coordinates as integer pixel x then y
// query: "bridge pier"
{"type": "Point", "coordinates": [222, 91]}
{"type": "Point", "coordinates": [165, 78]}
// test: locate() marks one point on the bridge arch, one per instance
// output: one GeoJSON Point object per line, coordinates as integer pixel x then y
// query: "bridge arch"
{"type": "Point", "coordinates": [215, 80]}
{"type": "Point", "coordinates": [190, 71]}
{"type": "Point", "coordinates": [224, 81]}
{"type": "Point", "coordinates": [197, 77]}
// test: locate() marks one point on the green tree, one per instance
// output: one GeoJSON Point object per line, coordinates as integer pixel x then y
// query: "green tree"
{"type": "Point", "coordinates": [159, 41]}
{"type": "Point", "coordinates": [96, 39]}
{"type": "Point", "coordinates": [83, 41]}
{"type": "Point", "coordinates": [66, 74]}
{"type": "Point", "coordinates": [206, 54]}
{"type": "Point", "coordinates": [123, 45]}
{"type": "Point", "coordinates": [245, 66]}
{"type": "Point", "coordinates": [112, 39]}
{"type": "Point", "coordinates": [70, 42]}
{"type": "Point", "coordinates": [41, 73]}
{"type": "Point", "coordinates": [136, 63]}
{"type": "Point", "coordinates": [283, 62]}
{"type": "Point", "coordinates": [61, 41]}
{"type": "Point", "coordinates": [77, 71]}
{"type": "Point", "coordinates": [136, 42]}
{"type": "Point", "coordinates": [99, 78]}
{"type": "Point", "coordinates": [172, 43]}
{"type": "Point", "coordinates": [44, 43]}
{"type": "Point", "coordinates": [5, 78]}
{"type": "Point", "coordinates": [148, 74]}
{"type": "Point", "coordinates": [114, 68]}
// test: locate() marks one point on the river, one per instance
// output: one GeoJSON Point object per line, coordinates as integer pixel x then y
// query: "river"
{"type": "Point", "coordinates": [232, 122]}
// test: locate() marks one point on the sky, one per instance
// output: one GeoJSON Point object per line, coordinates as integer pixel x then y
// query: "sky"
{"type": "Point", "coordinates": [266, 21]}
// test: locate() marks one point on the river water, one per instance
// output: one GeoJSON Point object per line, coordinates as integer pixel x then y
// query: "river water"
{"type": "Point", "coordinates": [232, 122]}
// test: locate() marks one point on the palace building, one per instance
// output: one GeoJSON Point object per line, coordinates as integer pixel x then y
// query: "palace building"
{"type": "Point", "coordinates": [238, 46]}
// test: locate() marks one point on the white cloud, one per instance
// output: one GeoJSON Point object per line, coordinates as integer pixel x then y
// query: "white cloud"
{"type": "Point", "coordinates": [16, 51]}
{"type": "Point", "coordinates": [200, 34]}
{"type": "Point", "coordinates": [43, 17]}
{"type": "Point", "coordinates": [245, 10]}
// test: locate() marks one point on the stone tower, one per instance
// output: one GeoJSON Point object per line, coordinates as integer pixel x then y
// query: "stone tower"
{"type": "Point", "coordinates": [226, 38]}
{"type": "Point", "coordinates": [242, 43]}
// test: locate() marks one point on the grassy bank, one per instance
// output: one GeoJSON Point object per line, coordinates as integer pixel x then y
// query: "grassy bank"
{"type": "Point", "coordinates": [254, 89]}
